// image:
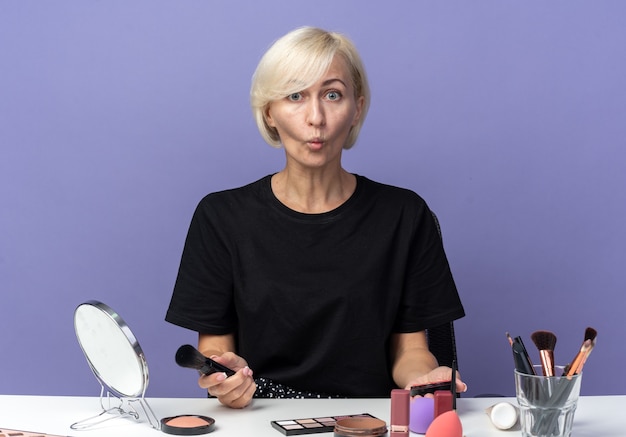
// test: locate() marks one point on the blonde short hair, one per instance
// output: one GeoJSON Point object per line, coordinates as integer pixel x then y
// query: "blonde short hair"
{"type": "Point", "coordinates": [295, 62]}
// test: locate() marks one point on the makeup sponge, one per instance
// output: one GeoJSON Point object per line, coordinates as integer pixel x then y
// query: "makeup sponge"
{"type": "Point", "coordinates": [422, 414]}
{"type": "Point", "coordinates": [447, 424]}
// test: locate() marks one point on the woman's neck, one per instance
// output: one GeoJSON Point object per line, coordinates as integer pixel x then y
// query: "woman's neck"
{"type": "Point", "coordinates": [313, 192]}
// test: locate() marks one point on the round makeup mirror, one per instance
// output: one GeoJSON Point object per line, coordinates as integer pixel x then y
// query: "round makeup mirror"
{"type": "Point", "coordinates": [111, 349]}
{"type": "Point", "coordinates": [116, 359]}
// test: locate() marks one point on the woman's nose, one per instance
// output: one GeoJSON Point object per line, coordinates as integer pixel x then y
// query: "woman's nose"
{"type": "Point", "coordinates": [315, 113]}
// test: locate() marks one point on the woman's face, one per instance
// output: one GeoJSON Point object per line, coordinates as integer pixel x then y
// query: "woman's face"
{"type": "Point", "coordinates": [314, 123]}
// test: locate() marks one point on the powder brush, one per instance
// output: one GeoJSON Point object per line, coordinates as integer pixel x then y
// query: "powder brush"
{"type": "Point", "coordinates": [576, 366]}
{"type": "Point", "coordinates": [189, 356]}
{"type": "Point", "coordinates": [545, 342]}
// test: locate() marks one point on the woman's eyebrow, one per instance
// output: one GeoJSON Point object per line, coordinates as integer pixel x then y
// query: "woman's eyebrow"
{"type": "Point", "coordinates": [335, 79]}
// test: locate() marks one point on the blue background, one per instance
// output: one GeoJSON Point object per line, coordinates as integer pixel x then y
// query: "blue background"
{"type": "Point", "coordinates": [116, 117]}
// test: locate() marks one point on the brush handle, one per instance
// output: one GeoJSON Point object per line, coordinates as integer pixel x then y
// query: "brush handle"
{"type": "Point", "coordinates": [576, 366]}
{"type": "Point", "coordinates": [211, 366]}
{"type": "Point", "coordinates": [547, 424]}
{"type": "Point", "coordinates": [547, 362]}
{"type": "Point", "coordinates": [453, 384]}
{"type": "Point", "coordinates": [521, 358]}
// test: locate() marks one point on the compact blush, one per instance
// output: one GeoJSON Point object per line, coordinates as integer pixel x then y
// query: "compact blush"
{"type": "Point", "coordinates": [188, 424]}
{"type": "Point", "coordinates": [312, 425]}
{"type": "Point", "coordinates": [361, 427]}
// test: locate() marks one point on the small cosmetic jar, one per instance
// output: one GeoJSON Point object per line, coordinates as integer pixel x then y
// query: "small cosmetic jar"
{"type": "Point", "coordinates": [188, 424]}
{"type": "Point", "coordinates": [360, 427]}
{"type": "Point", "coordinates": [503, 415]}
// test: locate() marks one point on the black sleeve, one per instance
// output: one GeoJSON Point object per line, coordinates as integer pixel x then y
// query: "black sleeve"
{"type": "Point", "coordinates": [202, 299]}
{"type": "Point", "coordinates": [430, 297]}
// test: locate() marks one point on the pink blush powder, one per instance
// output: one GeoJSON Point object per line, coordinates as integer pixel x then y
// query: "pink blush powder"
{"type": "Point", "coordinates": [187, 425]}
{"type": "Point", "coordinates": [187, 421]}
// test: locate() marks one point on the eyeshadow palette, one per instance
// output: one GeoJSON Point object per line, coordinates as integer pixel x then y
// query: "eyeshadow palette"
{"type": "Point", "coordinates": [311, 425]}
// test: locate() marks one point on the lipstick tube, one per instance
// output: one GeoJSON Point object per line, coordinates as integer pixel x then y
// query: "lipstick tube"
{"type": "Point", "coordinates": [399, 426]}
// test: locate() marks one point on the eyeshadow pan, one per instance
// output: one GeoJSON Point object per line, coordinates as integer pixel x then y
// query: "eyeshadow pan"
{"type": "Point", "coordinates": [312, 425]}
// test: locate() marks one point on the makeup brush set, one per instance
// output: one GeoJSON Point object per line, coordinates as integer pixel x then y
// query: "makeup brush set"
{"type": "Point", "coordinates": [545, 341]}
{"type": "Point", "coordinates": [547, 394]}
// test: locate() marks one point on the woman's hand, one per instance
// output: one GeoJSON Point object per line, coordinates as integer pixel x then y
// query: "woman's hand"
{"type": "Point", "coordinates": [235, 391]}
{"type": "Point", "coordinates": [439, 374]}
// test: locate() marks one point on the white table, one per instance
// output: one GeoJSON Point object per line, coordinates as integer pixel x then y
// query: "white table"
{"type": "Point", "coordinates": [597, 416]}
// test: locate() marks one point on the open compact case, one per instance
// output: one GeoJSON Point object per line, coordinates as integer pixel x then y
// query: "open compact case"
{"type": "Point", "coordinates": [119, 365]}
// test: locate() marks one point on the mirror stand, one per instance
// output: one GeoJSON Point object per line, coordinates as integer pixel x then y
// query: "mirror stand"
{"type": "Point", "coordinates": [125, 408]}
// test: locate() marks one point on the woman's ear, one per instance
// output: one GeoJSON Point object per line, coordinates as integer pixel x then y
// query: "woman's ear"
{"type": "Point", "coordinates": [360, 102]}
{"type": "Point", "coordinates": [268, 117]}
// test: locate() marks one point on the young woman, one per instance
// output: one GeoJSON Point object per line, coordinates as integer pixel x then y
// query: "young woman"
{"type": "Point", "coordinates": [320, 280]}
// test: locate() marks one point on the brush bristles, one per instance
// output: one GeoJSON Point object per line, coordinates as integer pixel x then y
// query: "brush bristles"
{"type": "Point", "coordinates": [590, 334]}
{"type": "Point", "coordinates": [544, 340]}
{"type": "Point", "coordinates": [579, 360]}
{"type": "Point", "coordinates": [189, 356]}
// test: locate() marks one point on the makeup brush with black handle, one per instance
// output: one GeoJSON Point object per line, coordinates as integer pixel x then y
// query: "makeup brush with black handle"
{"type": "Point", "coordinates": [189, 356]}
{"type": "Point", "coordinates": [520, 355]}
{"type": "Point", "coordinates": [545, 342]}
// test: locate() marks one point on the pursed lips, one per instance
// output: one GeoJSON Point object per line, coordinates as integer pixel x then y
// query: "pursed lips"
{"type": "Point", "coordinates": [315, 144]}
{"type": "Point", "coordinates": [316, 140]}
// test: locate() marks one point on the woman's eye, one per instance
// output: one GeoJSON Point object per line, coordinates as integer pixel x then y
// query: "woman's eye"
{"type": "Point", "coordinates": [295, 97]}
{"type": "Point", "coordinates": [333, 95]}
